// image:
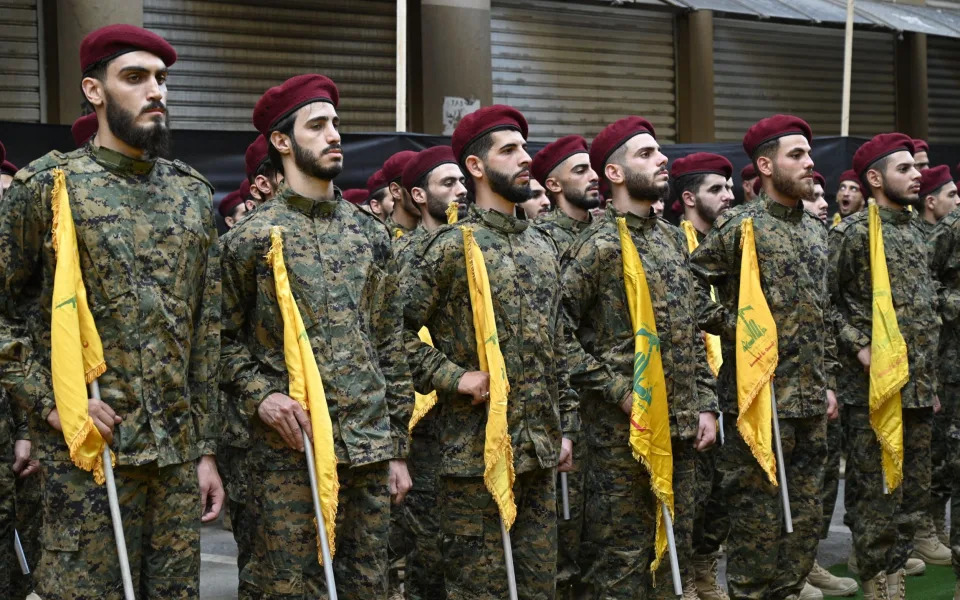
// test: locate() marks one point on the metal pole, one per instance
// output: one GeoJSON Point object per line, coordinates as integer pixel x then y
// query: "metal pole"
{"type": "Point", "coordinates": [21, 556]}
{"type": "Point", "coordinates": [321, 527]}
{"type": "Point", "coordinates": [672, 548]}
{"type": "Point", "coordinates": [565, 494]}
{"type": "Point", "coordinates": [720, 427]}
{"type": "Point", "coordinates": [847, 70]}
{"type": "Point", "coordinates": [401, 65]}
{"type": "Point", "coordinates": [122, 555]}
{"type": "Point", "coordinates": [781, 471]}
{"type": "Point", "coordinates": [508, 560]}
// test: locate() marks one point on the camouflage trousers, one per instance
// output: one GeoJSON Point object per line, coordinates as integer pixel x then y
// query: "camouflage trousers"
{"type": "Point", "coordinates": [885, 523]}
{"type": "Point", "coordinates": [472, 546]}
{"type": "Point", "coordinates": [619, 526]}
{"type": "Point", "coordinates": [231, 463]}
{"type": "Point", "coordinates": [940, 483]}
{"type": "Point", "coordinates": [569, 531]}
{"type": "Point", "coordinates": [831, 475]}
{"type": "Point", "coordinates": [8, 511]}
{"type": "Point", "coordinates": [711, 523]}
{"type": "Point", "coordinates": [29, 523]}
{"type": "Point", "coordinates": [160, 510]}
{"type": "Point", "coordinates": [283, 562]}
{"type": "Point", "coordinates": [421, 522]}
{"type": "Point", "coordinates": [950, 395]}
{"type": "Point", "coordinates": [684, 511]}
{"type": "Point", "coordinates": [763, 561]}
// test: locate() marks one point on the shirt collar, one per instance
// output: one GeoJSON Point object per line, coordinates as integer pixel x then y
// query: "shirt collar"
{"type": "Point", "coordinates": [634, 222]}
{"type": "Point", "coordinates": [121, 163]}
{"type": "Point", "coordinates": [495, 219]}
{"type": "Point", "coordinates": [786, 213]}
{"type": "Point", "coordinates": [310, 207]}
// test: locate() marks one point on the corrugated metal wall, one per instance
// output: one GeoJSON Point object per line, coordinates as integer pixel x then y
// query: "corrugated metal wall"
{"type": "Point", "coordinates": [19, 61]}
{"type": "Point", "coordinates": [943, 84]}
{"type": "Point", "coordinates": [231, 51]}
{"type": "Point", "coordinates": [573, 68]}
{"type": "Point", "coordinates": [762, 69]}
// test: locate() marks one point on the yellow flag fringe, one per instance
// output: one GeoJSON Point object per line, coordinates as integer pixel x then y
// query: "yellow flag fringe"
{"type": "Point", "coordinates": [422, 403]}
{"type": "Point", "coordinates": [452, 212]}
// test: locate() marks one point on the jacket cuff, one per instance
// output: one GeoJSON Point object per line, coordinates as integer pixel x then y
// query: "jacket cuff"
{"type": "Point", "coordinates": [447, 377]}
{"type": "Point", "coordinates": [618, 389]}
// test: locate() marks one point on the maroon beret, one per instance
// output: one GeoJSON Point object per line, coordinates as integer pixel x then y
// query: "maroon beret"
{"type": "Point", "coordinates": [771, 128]}
{"type": "Point", "coordinates": [111, 41]}
{"type": "Point", "coordinates": [818, 178]}
{"type": "Point", "coordinates": [356, 195]}
{"type": "Point", "coordinates": [393, 167]}
{"type": "Point", "coordinates": [956, 171]}
{"type": "Point", "coordinates": [933, 179]}
{"type": "Point", "coordinates": [880, 146]}
{"type": "Point", "coordinates": [84, 128]}
{"type": "Point", "coordinates": [424, 162]}
{"type": "Point", "coordinates": [748, 172]}
{"type": "Point", "coordinates": [700, 163]}
{"type": "Point", "coordinates": [850, 175]}
{"type": "Point", "coordinates": [482, 122]}
{"type": "Point", "coordinates": [615, 135]}
{"type": "Point", "coordinates": [281, 100]}
{"type": "Point", "coordinates": [3, 153]}
{"type": "Point", "coordinates": [255, 155]}
{"type": "Point", "coordinates": [920, 145]}
{"type": "Point", "coordinates": [554, 153]}
{"type": "Point", "coordinates": [757, 184]}
{"type": "Point", "coordinates": [376, 182]}
{"type": "Point", "coordinates": [8, 168]}
{"type": "Point", "coordinates": [230, 202]}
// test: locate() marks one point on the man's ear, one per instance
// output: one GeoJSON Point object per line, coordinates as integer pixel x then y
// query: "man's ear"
{"type": "Point", "coordinates": [474, 166]}
{"type": "Point", "coordinates": [93, 91]}
{"type": "Point", "coordinates": [281, 142]}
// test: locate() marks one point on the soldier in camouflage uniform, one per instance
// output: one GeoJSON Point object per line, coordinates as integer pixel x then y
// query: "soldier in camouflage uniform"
{"type": "Point", "coordinates": [620, 513]}
{"type": "Point", "coordinates": [883, 531]}
{"type": "Point", "coordinates": [523, 269]}
{"type": "Point", "coordinates": [943, 252]}
{"type": "Point", "coordinates": [563, 169]}
{"type": "Point", "coordinates": [340, 265]}
{"type": "Point", "coordinates": [149, 257]}
{"type": "Point", "coordinates": [763, 561]}
{"type": "Point", "coordinates": [703, 186]}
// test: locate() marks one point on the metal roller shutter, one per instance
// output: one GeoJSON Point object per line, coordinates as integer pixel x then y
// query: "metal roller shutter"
{"type": "Point", "coordinates": [231, 51]}
{"type": "Point", "coordinates": [573, 68]}
{"type": "Point", "coordinates": [19, 61]}
{"type": "Point", "coordinates": [762, 69]}
{"type": "Point", "coordinates": [943, 81]}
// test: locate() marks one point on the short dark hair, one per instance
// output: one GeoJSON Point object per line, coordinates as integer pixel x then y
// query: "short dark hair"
{"type": "Point", "coordinates": [284, 126]}
{"type": "Point", "coordinates": [617, 157]}
{"type": "Point", "coordinates": [479, 147]}
{"type": "Point", "coordinates": [689, 183]}
{"type": "Point", "coordinates": [266, 169]}
{"type": "Point", "coordinates": [768, 149]}
{"type": "Point", "coordinates": [96, 71]}
{"type": "Point", "coordinates": [878, 165]}
{"type": "Point", "coordinates": [378, 195]}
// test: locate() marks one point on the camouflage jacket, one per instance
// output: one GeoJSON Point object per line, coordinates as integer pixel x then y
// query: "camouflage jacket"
{"type": "Point", "coordinates": [150, 263]}
{"type": "Point", "coordinates": [406, 241]}
{"type": "Point", "coordinates": [524, 273]}
{"type": "Point", "coordinates": [792, 252]}
{"type": "Point", "coordinates": [600, 340]}
{"type": "Point", "coordinates": [943, 254]}
{"type": "Point", "coordinates": [397, 230]}
{"type": "Point", "coordinates": [344, 282]}
{"type": "Point", "coordinates": [563, 228]}
{"type": "Point", "coordinates": [914, 299]}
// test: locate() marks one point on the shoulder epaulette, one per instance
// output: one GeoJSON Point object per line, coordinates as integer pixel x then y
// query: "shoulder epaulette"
{"type": "Point", "coordinates": [50, 160]}
{"type": "Point", "coordinates": [188, 170]}
{"type": "Point", "coordinates": [850, 220]}
{"type": "Point", "coordinates": [586, 235]}
{"type": "Point", "coordinates": [443, 231]}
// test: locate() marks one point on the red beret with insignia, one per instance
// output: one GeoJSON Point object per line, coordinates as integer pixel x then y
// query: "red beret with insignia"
{"type": "Point", "coordinates": [700, 163]}
{"type": "Point", "coordinates": [8, 168]}
{"type": "Point", "coordinates": [84, 128]}
{"type": "Point", "coordinates": [771, 128]}
{"type": "Point", "coordinates": [482, 122]}
{"type": "Point", "coordinates": [850, 175]}
{"type": "Point", "coordinates": [394, 166]}
{"type": "Point", "coordinates": [933, 179]}
{"type": "Point", "coordinates": [921, 145]}
{"type": "Point", "coordinates": [376, 182]}
{"type": "Point", "coordinates": [880, 146]}
{"type": "Point", "coordinates": [294, 93]}
{"type": "Point", "coordinates": [615, 135]}
{"type": "Point", "coordinates": [818, 178]}
{"type": "Point", "coordinates": [111, 41]}
{"type": "Point", "coordinates": [554, 153]}
{"type": "Point", "coordinates": [255, 155]}
{"type": "Point", "coordinates": [757, 184]}
{"type": "Point", "coordinates": [424, 162]}
{"type": "Point", "coordinates": [356, 195]}
{"type": "Point", "coordinates": [748, 172]}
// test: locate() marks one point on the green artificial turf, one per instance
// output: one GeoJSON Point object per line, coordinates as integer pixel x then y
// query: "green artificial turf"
{"type": "Point", "coordinates": [936, 583]}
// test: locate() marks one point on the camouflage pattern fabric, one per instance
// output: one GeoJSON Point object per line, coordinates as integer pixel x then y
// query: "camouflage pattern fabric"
{"type": "Point", "coordinates": [235, 475]}
{"type": "Point", "coordinates": [8, 560]}
{"type": "Point", "coordinates": [563, 228]}
{"type": "Point", "coordinates": [685, 499]}
{"type": "Point", "coordinates": [29, 525]}
{"type": "Point", "coordinates": [420, 516]}
{"type": "Point", "coordinates": [951, 393]}
{"type": "Point", "coordinates": [831, 475]}
{"type": "Point", "coordinates": [160, 512]}
{"type": "Point", "coordinates": [711, 522]}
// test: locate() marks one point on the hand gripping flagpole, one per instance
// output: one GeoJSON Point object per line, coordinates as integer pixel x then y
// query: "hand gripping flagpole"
{"type": "Point", "coordinates": [321, 526]}
{"type": "Point", "coordinates": [565, 495]}
{"type": "Point", "coordinates": [781, 471]}
{"type": "Point", "coordinates": [115, 511]}
{"type": "Point", "coordinates": [21, 556]}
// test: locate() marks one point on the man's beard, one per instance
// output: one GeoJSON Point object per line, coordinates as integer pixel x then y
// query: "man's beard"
{"type": "Point", "coordinates": [581, 198]}
{"type": "Point", "coordinates": [791, 188]}
{"type": "Point", "coordinates": [899, 198]}
{"type": "Point", "coordinates": [641, 187]}
{"type": "Point", "coordinates": [503, 185]}
{"type": "Point", "coordinates": [437, 208]}
{"type": "Point", "coordinates": [153, 141]}
{"type": "Point", "coordinates": [708, 213]}
{"type": "Point", "coordinates": [308, 162]}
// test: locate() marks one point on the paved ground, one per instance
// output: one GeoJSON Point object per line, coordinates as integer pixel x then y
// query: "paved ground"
{"type": "Point", "coordinates": [218, 575]}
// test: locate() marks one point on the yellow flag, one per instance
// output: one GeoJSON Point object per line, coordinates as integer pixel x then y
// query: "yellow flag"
{"type": "Point", "coordinates": [306, 387]}
{"type": "Point", "coordinates": [756, 348]}
{"type": "Point", "coordinates": [498, 472]}
{"type": "Point", "coordinates": [398, 233]}
{"type": "Point", "coordinates": [422, 403]}
{"type": "Point", "coordinates": [836, 219]}
{"type": "Point", "coordinates": [712, 342]}
{"type": "Point", "coordinates": [650, 415]}
{"type": "Point", "coordinates": [889, 369]}
{"type": "Point", "coordinates": [76, 353]}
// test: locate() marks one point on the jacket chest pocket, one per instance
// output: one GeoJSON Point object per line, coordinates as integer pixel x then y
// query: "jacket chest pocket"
{"type": "Point", "coordinates": [106, 258]}
{"type": "Point", "coordinates": [176, 260]}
